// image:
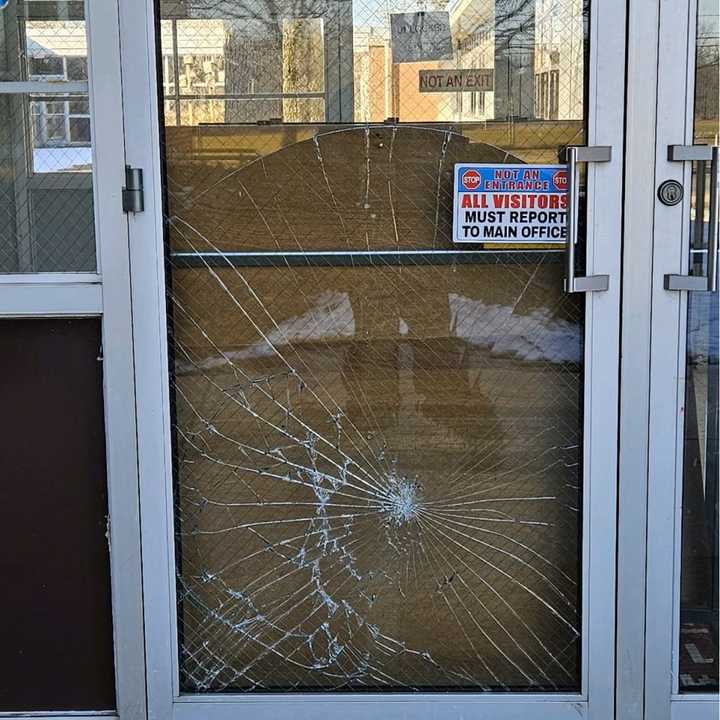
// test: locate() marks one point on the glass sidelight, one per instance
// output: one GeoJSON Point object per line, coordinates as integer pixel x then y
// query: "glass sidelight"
{"type": "Point", "coordinates": [380, 472]}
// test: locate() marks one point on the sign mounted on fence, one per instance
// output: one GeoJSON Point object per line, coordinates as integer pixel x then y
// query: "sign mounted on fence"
{"type": "Point", "coordinates": [420, 36]}
{"type": "Point", "coordinates": [509, 203]}
{"type": "Point", "coordinates": [480, 80]}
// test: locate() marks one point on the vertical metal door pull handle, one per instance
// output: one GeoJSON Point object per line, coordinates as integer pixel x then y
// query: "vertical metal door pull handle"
{"type": "Point", "coordinates": [575, 155]}
{"type": "Point", "coordinates": [700, 154]}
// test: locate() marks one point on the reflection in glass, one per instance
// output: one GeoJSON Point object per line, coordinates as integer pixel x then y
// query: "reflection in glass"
{"type": "Point", "coordinates": [378, 438]}
{"type": "Point", "coordinates": [46, 202]}
{"type": "Point", "coordinates": [251, 64]}
{"type": "Point", "coordinates": [699, 581]}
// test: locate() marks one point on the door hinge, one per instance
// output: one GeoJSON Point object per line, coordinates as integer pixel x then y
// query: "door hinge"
{"type": "Point", "coordinates": [133, 194]}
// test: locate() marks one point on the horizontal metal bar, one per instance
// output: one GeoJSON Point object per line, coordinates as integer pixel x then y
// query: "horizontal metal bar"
{"type": "Point", "coordinates": [359, 258]}
{"type": "Point", "coordinates": [245, 96]}
{"type": "Point", "coordinates": [693, 283]}
{"type": "Point", "coordinates": [61, 87]}
{"type": "Point", "coordinates": [296, 706]}
{"type": "Point", "coordinates": [50, 300]}
{"type": "Point", "coordinates": [689, 153]}
{"type": "Point", "coordinates": [50, 278]}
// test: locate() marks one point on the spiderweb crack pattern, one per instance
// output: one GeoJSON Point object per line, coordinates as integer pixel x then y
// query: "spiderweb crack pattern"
{"type": "Point", "coordinates": [377, 461]}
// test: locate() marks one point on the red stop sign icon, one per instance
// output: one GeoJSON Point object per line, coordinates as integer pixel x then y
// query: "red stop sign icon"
{"type": "Point", "coordinates": [560, 179]}
{"type": "Point", "coordinates": [471, 180]}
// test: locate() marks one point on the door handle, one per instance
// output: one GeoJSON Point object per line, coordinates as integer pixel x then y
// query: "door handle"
{"type": "Point", "coordinates": [574, 155]}
{"type": "Point", "coordinates": [700, 154]}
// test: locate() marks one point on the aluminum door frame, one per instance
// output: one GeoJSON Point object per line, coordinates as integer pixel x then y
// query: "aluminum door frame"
{"type": "Point", "coordinates": [668, 332]}
{"type": "Point", "coordinates": [595, 702]}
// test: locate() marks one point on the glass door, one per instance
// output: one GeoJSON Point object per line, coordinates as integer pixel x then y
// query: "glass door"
{"type": "Point", "coordinates": [377, 466]}
{"type": "Point", "coordinates": [683, 521]}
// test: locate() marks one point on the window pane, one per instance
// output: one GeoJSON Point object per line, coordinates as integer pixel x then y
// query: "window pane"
{"type": "Point", "coordinates": [37, 36]}
{"type": "Point", "coordinates": [46, 66]}
{"type": "Point", "coordinates": [54, 107]}
{"type": "Point", "coordinates": [46, 200]}
{"type": "Point", "coordinates": [77, 68]}
{"type": "Point", "coordinates": [699, 579]}
{"type": "Point", "coordinates": [65, 39]}
{"type": "Point", "coordinates": [54, 128]}
{"type": "Point", "coordinates": [79, 130]}
{"type": "Point", "coordinates": [79, 107]}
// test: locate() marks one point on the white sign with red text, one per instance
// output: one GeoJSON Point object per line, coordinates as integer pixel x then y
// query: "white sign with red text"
{"type": "Point", "coordinates": [509, 203]}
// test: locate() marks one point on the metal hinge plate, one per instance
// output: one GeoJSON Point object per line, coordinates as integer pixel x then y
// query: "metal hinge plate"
{"type": "Point", "coordinates": [133, 194]}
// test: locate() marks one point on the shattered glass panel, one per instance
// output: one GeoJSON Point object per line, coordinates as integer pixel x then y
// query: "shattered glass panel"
{"type": "Point", "coordinates": [699, 647]}
{"type": "Point", "coordinates": [46, 201]}
{"type": "Point", "coordinates": [377, 435]}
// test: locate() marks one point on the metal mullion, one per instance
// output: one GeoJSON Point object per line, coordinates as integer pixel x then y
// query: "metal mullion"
{"type": "Point", "coordinates": [32, 87]}
{"type": "Point", "coordinates": [633, 466]}
{"type": "Point", "coordinates": [111, 231]}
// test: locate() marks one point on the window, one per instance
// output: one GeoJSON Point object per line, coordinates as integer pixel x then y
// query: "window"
{"type": "Point", "coordinates": [49, 122]}
{"type": "Point", "coordinates": [48, 204]}
{"type": "Point", "coordinates": [43, 67]}
{"type": "Point", "coordinates": [61, 122]}
{"type": "Point", "coordinates": [79, 121]}
{"type": "Point", "coordinates": [541, 95]}
{"type": "Point", "coordinates": [480, 102]}
{"type": "Point", "coordinates": [239, 70]}
{"type": "Point", "coordinates": [76, 68]}
{"type": "Point", "coordinates": [553, 94]}
{"type": "Point", "coordinates": [547, 95]}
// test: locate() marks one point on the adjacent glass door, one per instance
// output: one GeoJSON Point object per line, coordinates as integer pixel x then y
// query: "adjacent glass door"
{"type": "Point", "coordinates": [682, 605]}
{"type": "Point", "coordinates": [383, 478]}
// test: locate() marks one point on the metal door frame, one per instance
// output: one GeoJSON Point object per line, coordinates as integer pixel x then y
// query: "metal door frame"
{"type": "Point", "coordinates": [606, 108]}
{"type": "Point", "coordinates": [676, 80]}
{"type": "Point", "coordinates": [660, 99]}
